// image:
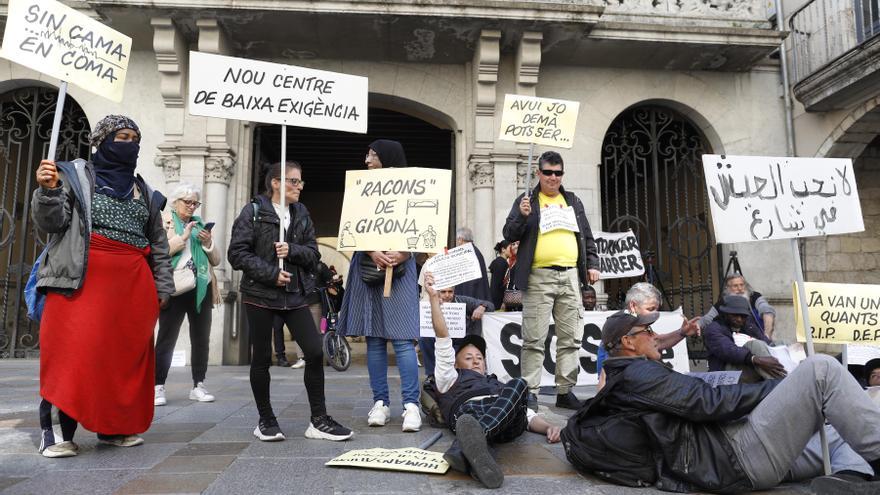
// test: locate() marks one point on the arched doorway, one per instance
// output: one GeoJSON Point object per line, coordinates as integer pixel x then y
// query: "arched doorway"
{"type": "Point", "coordinates": [25, 129]}
{"type": "Point", "coordinates": [652, 183]}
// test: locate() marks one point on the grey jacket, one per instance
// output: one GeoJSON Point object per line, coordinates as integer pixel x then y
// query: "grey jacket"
{"type": "Point", "coordinates": [65, 213]}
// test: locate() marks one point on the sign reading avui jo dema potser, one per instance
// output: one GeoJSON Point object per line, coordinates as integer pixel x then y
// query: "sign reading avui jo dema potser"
{"type": "Point", "coordinates": [395, 209]}
{"type": "Point", "coordinates": [529, 119]}
{"type": "Point", "coordinates": [56, 40]}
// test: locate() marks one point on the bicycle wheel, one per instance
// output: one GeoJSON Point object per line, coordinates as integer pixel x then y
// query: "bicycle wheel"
{"type": "Point", "coordinates": [337, 351]}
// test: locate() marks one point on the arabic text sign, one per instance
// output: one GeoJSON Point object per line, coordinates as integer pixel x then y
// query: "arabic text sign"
{"type": "Point", "coordinates": [54, 39]}
{"type": "Point", "coordinates": [840, 313]}
{"type": "Point", "coordinates": [754, 198]}
{"type": "Point", "coordinates": [395, 209]}
{"type": "Point", "coordinates": [243, 89]}
{"type": "Point", "coordinates": [453, 314]}
{"type": "Point", "coordinates": [503, 334]}
{"type": "Point", "coordinates": [528, 119]}
{"type": "Point", "coordinates": [556, 217]}
{"type": "Point", "coordinates": [455, 267]}
{"type": "Point", "coordinates": [619, 255]}
{"type": "Point", "coordinates": [406, 459]}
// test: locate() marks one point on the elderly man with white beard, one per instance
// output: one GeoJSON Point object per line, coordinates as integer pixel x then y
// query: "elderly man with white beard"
{"type": "Point", "coordinates": [762, 313]}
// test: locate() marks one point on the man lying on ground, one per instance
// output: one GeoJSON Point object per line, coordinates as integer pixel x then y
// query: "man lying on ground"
{"type": "Point", "coordinates": [477, 407]}
{"type": "Point", "coordinates": [650, 425]}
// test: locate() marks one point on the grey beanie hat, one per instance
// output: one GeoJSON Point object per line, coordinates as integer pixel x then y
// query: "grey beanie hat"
{"type": "Point", "coordinates": [109, 125]}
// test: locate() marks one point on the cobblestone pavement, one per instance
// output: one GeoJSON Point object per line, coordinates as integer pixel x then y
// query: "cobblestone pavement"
{"type": "Point", "coordinates": [209, 447]}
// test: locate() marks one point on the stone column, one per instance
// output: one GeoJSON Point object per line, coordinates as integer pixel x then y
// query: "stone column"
{"type": "Point", "coordinates": [171, 52]}
{"type": "Point", "coordinates": [487, 56]}
{"type": "Point", "coordinates": [482, 179]}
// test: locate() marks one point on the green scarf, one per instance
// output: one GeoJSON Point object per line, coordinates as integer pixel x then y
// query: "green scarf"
{"type": "Point", "coordinates": [199, 257]}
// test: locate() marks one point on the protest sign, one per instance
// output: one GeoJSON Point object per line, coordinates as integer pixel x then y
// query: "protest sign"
{"type": "Point", "coordinates": [528, 119]}
{"type": "Point", "coordinates": [840, 313]}
{"type": "Point", "coordinates": [453, 313]}
{"type": "Point", "coordinates": [454, 267]}
{"type": "Point", "coordinates": [755, 198]}
{"type": "Point", "coordinates": [619, 255]}
{"type": "Point", "coordinates": [54, 39]}
{"type": "Point", "coordinates": [861, 354]}
{"type": "Point", "coordinates": [503, 334]}
{"type": "Point", "coordinates": [716, 378]}
{"type": "Point", "coordinates": [395, 209]}
{"type": "Point", "coordinates": [557, 217]}
{"type": "Point", "coordinates": [407, 459]}
{"type": "Point", "coordinates": [244, 89]}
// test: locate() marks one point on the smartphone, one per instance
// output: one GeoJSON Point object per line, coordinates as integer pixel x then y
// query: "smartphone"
{"type": "Point", "coordinates": [209, 226]}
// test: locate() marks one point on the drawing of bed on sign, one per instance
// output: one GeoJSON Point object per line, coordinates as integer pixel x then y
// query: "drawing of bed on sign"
{"type": "Point", "coordinates": [431, 204]}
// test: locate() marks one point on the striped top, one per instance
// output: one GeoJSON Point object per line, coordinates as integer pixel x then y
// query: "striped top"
{"type": "Point", "coordinates": [365, 312]}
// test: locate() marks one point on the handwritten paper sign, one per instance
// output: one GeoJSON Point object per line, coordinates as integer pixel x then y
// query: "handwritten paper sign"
{"type": "Point", "coordinates": [56, 40]}
{"type": "Point", "coordinates": [455, 267]}
{"type": "Point", "coordinates": [406, 459]}
{"type": "Point", "coordinates": [716, 378]}
{"type": "Point", "coordinates": [453, 313]}
{"type": "Point", "coordinates": [619, 254]}
{"type": "Point", "coordinates": [395, 209]}
{"type": "Point", "coordinates": [840, 313]}
{"type": "Point", "coordinates": [754, 198]}
{"type": "Point", "coordinates": [861, 354]}
{"type": "Point", "coordinates": [243, 89]}
{"type": "Point", "coordinates": [528, 119]}
{"type": "Point", "coordinates": [556, 218]}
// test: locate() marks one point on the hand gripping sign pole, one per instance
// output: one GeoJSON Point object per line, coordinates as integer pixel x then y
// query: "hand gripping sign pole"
{"type": "Point", "coordinates": [56, 121]}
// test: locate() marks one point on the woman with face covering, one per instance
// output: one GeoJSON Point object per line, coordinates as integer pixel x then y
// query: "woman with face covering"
{"type": "Point", "coordinates": [105, 275]}
{"type": "Point", "coordinates": [365, 312]}
{"type": "Point", "coordinates": [269, 291]}
{"type": "Point", "coordinates": [192, 248]}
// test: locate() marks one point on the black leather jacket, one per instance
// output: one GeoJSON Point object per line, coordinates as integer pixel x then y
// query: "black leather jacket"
{"type": "Point", "coordinates": [651, 425]}
{"type": "Point", "coordinates": [252, 250]}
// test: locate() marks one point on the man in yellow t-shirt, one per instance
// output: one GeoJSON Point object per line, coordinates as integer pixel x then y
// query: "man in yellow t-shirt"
{"type": "Point", "coordinates": [551, 266]}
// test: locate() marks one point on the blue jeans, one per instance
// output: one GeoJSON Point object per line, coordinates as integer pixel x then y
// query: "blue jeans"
{"type": "Point", "coordinates": [377, 366]}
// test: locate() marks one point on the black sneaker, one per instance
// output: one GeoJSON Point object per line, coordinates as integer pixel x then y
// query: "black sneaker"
{"type": "Point", "coordinates": [326, 428]}
{"type": "Point", "coordinates": [268, 430]}
{"type": "Point", "coordinates": [455, 458]}
{"type": "Point", "coordinates": [282, 361]}
{"type": "Point", "coordinates": [844, 484]}
{"type": "Point", "coordinates": [568, 401]}
{"type": "Point", "coordinates": [532, 402]}
{"type": "Point", "coordinates": [472, 438]}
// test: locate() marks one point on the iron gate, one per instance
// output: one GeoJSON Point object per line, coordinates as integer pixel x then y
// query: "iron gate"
{"type": "Point", "coordinates": [652, 183]}
{"type": "Point", "coordinates": [25, 127]}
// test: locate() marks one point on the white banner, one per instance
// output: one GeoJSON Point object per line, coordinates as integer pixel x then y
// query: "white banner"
{"type": "Point", "coordinates": [54, 39]}
{"type": "Point", "coordinates": [453, 313]}
{"type": "Point", "coordinates": [619, 255]}
{"type": "Point", "coordinates": [557, 217]}
{"type": "Point", "coordinates": [454, 267]}
{"type": "Point", "coordinates": [503, 334]}
{"type": "Point", "coordinates": [754, 198]}
{"type": "Point", "coordinates": [244, 89]}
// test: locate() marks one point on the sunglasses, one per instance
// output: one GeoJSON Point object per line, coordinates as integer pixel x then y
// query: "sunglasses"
{"type": "Point", "coordinates": [548, 173]}
{"type": "Point", "coordinates": [648, 330]}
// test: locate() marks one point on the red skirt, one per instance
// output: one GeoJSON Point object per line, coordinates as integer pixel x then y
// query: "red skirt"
{"type": "Point", "coordinates": [97, 362]}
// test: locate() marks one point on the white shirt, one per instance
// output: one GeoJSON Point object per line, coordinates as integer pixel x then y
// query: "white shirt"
{"type": "Point", "coordinates": [285, 217]}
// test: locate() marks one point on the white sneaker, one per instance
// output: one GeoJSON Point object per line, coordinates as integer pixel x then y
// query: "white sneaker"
{"type": "Point", "coordinates": [412, 418]}
{"type": "Point", "coordinates": [379, 414]}
{"type": "Point", "coordinates": [63, 449]}
{"type": "Point", "coordinates": [300, 363]}
{"type": "Point", "coordinates": [121, 440]}
{"type": "Point", "coordinates": [159, 398]}
{"type": "Point", "coordinates": [200, 393]}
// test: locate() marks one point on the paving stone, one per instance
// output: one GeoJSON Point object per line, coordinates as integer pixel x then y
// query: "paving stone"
{"type": "Point", "coordinates": [271, 475]}
{"type": "Point", "coordinates": [104, 481]}
{"type": "Point", "coordinates": [27, 465]}
{"type": "Point", "coordinates": [226, 434]}
{"type": "Point", "coordinates": [219, 448]}
{"type": "Point", "coordinates": [6, 481]}
{"type": "Point", "coordinates": [168, 483]}
{"type": "Point", "coordinates": [518, 460]}
{"type": "Point", "coordinates": [194, 464]}
{"type": "Point", "coordinates": [99, 456]}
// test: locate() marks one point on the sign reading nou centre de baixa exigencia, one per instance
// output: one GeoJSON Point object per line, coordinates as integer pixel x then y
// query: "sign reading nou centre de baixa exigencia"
{"type": "Point", "coordinates": [253, 90]}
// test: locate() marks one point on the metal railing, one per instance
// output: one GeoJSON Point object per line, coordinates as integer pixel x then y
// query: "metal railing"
{"type": "Point", "coordinates": [823, 30]}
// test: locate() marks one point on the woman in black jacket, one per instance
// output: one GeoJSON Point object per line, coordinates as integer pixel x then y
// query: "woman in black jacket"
{"type": "Point", "coordinates": [268, 290]}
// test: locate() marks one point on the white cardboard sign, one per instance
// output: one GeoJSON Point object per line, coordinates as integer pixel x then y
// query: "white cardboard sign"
{"type": "Point", "coordinates": [56, 40]}
{"type": "Point", "coordinates": [457, 266]}
{"type": "Point", "coordinates": [453, 313]}
{"type": "Point", "coordinates": [619, 255]}
{"type": "Point", "coordinates": [529, 119]}
{"type": "Point", "coordinates": [756, 198]}
{"type": "Point", "coordinates": [253, 90]}
{"type": "Point", "coordinates": [558, 217]}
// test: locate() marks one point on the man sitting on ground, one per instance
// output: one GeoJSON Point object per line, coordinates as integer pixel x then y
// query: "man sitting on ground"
{"type": "Point", "coordinates": [753, 358]}
{"type": "Point", "coordinates": [477, 407]}
{"type": "Point", "coordinates": [650, 425]}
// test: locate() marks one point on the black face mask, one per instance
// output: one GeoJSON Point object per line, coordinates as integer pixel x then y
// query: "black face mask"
{"type": "Point", "coordinates": [121, 152]}
{"type": "Point", "coordinates": [115, 162]}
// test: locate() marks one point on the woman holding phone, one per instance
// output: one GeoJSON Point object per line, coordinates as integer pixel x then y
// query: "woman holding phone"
{"type": "Point", "coordinates": [192, 251]}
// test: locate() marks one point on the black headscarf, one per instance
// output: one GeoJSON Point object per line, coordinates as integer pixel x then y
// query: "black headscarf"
{"type": "Point", "coordinates": [114, 162]}
{"type": "Point", "coordinates": [390, 152]}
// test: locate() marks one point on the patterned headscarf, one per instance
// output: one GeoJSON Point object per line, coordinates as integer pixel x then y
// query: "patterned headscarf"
{"type": "Point", "coordinates": [110, 124]}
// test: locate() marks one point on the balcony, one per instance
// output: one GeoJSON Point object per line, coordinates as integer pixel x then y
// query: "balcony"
{"type": "Point", "coordinates": [835, 53]}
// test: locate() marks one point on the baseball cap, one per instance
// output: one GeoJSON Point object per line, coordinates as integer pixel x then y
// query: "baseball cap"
{"type": "Point", "coordinates": [620, 324]}
{"type": "Point", "coordinates": [474, 340]}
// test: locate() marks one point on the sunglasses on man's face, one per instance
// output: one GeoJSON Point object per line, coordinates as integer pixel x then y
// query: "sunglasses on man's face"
{"type": "Point", "coordinates": [548, 173]}
{"type": "Point", "coordinates": [648, 330]}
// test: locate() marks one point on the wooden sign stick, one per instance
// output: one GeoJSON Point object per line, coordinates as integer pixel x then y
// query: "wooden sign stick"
{"type": "Point", "coordinates": [389, 273]}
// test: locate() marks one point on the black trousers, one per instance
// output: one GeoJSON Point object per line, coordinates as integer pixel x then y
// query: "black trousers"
{"type": "Point", "coordinates": [302, 326]}
{"type": "Point", "coordinates": [170, 320]}
{"type": "Point", "coordinates": [68, 424]}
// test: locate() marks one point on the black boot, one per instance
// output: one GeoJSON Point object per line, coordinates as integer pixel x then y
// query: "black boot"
{"type": "Point", "coordinates": [470, 434]}
{"type": "Point", "coordinates": [282, 361]}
